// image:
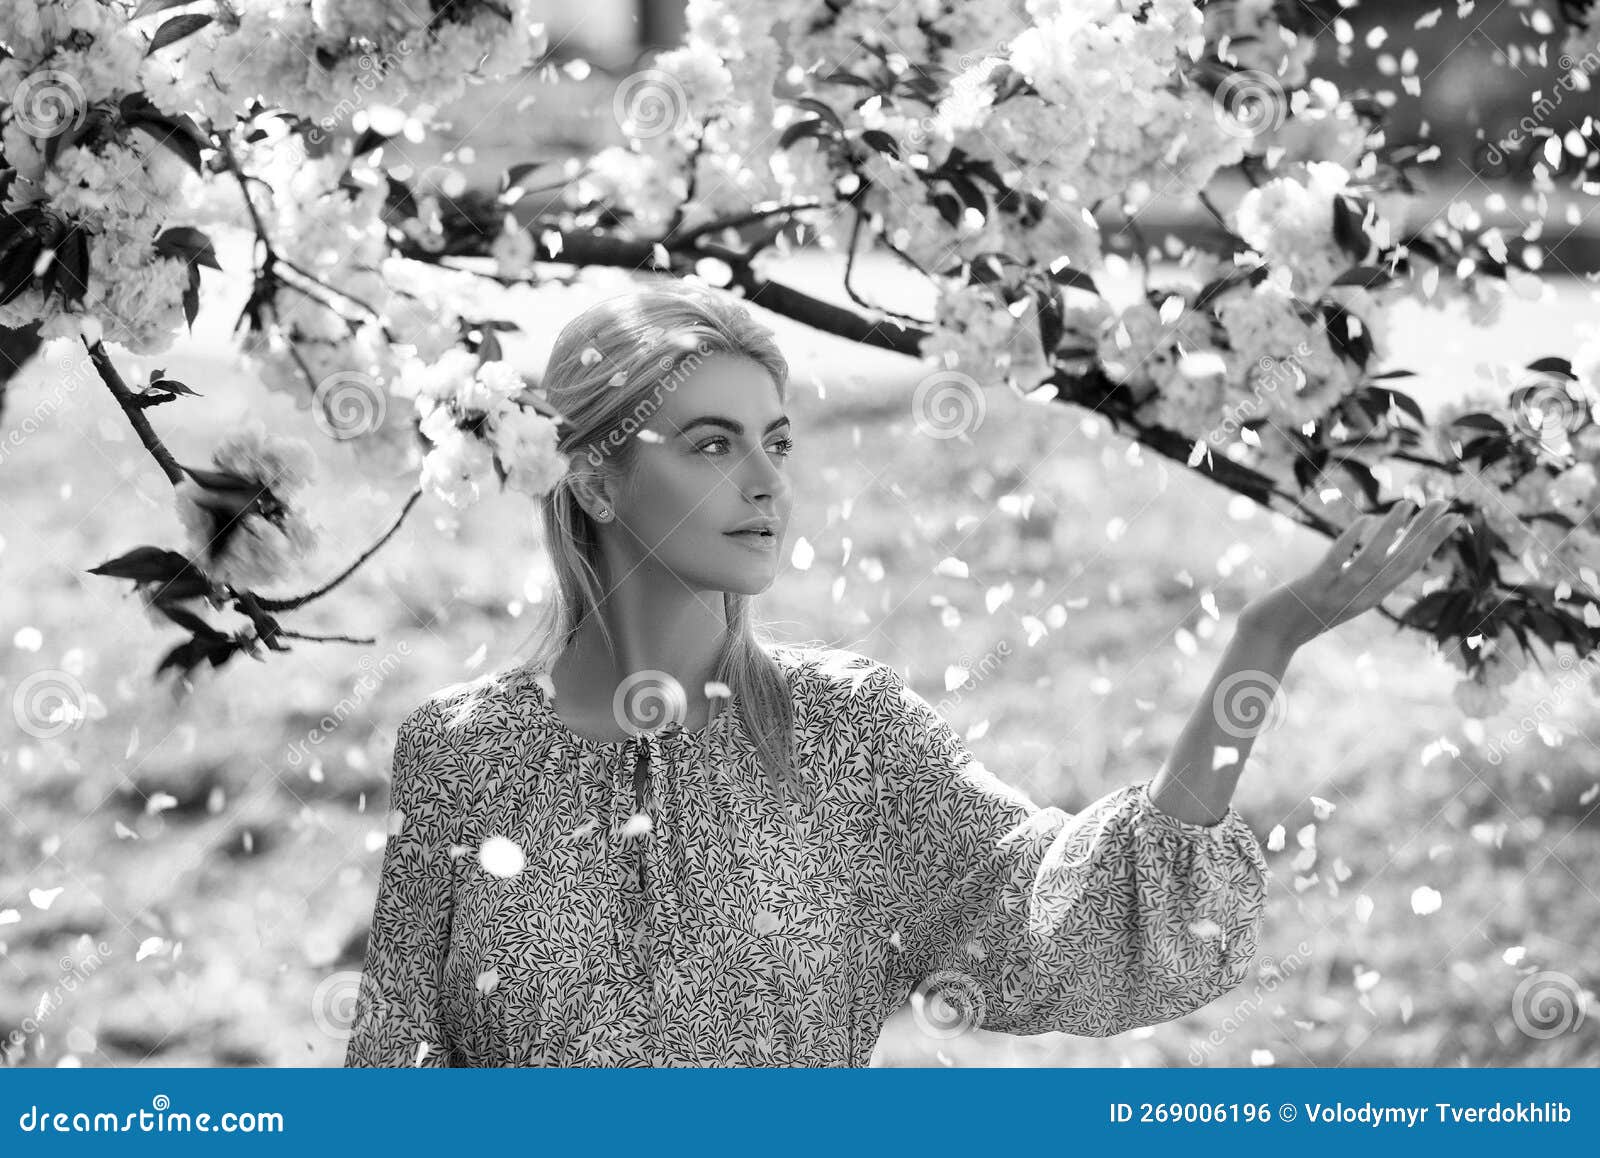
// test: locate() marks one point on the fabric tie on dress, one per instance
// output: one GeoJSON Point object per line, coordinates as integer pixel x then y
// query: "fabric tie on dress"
{"type": "Point", "coordinates": [634, 905]}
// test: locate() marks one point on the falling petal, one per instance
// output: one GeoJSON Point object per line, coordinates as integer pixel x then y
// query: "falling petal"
{"type": "Point", "coordinates": [501, 857]}
{"type": "Point", "coordinates": [159, 802]}
{"type": "Point", "coordinates": [488, 981]}
{"type": "Point", "coordinates": [802, 555]}
{"type": "Point", "coordinates": [44, 898]}
{"type": "Point", "coordinates": [1363, 908]}
{"type": "Point", "coordinates": [1261, 1057]}
{"type": "Point", "coordinates": [1425, 900]}
{"type": "Point", "coordinates": [147, 947]}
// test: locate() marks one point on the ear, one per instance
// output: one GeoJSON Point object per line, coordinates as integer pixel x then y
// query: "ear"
{"type": "Point", "coordinates": [594, 493]}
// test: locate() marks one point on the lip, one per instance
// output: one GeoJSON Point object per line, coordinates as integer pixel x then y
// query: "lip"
{"type": "Point", "coordinates": [755, 541]}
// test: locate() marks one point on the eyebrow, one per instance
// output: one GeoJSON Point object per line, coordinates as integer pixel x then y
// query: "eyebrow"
{"type": "Point", "coordinates": [729, 424]}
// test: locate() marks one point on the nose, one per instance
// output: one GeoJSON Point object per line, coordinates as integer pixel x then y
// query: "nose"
{"type": "Point", "coordinates": [761, 479]}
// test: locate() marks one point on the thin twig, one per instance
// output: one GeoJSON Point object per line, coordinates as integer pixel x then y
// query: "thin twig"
{"type": "Point", "coordinates": [295, 601]}
{"type": "Point", "coordinates": [686, 240]}
{"type": "Point", "coordinates": [344, 293]}
{"type": "Point", "coordinates": [849, 269]}
{"type": "Point", "coordinates": [326, 638]}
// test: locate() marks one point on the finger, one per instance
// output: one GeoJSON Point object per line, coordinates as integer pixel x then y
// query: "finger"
{"type": "Point", "coordinates": [1339, 553]}
{"type": "Point", "coordinates": [1397, 567]}
{"type": "Point", "coordinates": [1380, 535]}
{"type": "Point", "coordinates": [1396, 532]}
{"type": "Point", "coordinates": [1417, 550]}
{"type": "Point", "coordinates": [1426, 533]}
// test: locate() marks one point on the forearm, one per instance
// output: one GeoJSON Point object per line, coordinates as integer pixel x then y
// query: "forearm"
{"type": "Point", "coordinates": [1197, 781]}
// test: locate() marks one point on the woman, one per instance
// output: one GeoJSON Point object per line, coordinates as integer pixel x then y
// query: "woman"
{"type": "Point", "coordinates": [666, 839]}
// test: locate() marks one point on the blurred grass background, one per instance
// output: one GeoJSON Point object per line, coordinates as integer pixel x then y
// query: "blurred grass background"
{"type": "Point", "coordinates": [227, 860]}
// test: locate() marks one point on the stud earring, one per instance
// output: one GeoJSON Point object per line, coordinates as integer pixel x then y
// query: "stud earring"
{"type": "Point", "coordinates": [605, 512]}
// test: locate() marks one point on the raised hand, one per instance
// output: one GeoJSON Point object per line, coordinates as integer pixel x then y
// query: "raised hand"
{"type": "Point", "coordinates": [1373, 556]}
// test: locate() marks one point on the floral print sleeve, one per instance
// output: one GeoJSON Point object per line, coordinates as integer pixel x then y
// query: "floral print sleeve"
{"type": "Point", "coordinates": [1027, 919]}
{"type": "Point", "coordinates": [398, 1011]}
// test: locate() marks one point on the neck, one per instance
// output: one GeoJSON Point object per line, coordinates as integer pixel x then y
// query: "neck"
{"type": "Point", "coordinates": [679, 633]}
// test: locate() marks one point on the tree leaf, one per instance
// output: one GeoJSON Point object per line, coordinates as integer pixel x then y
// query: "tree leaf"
{"type": "Point", "coordinates": [1554, 366]}
{"type": "Point", "coordinates": [144, 564]}
{"type": "Point", "coordinates": [176, 29]}
{"type": "Point", "coordinates": [882, 142]}
{"type": "Point", "coordinates": [188, 243]}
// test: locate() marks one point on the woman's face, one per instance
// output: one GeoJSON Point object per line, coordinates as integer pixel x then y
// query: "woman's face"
{"type": "Point", "coordinates": [719, 463]}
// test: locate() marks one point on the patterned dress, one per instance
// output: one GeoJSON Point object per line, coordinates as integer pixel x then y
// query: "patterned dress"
{"type": "Point", "coordinates": [521, 920]}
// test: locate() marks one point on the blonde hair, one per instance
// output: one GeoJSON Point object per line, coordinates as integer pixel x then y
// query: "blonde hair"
{"type": "Point", "coordinates": [648, 341]}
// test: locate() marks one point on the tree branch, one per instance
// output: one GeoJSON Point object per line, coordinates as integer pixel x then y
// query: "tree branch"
{"type": "Point", "coordinates": [130, 406]}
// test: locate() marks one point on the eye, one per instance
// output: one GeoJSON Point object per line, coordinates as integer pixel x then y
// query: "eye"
{"type": "Point", "coordinates": [784, 446]}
